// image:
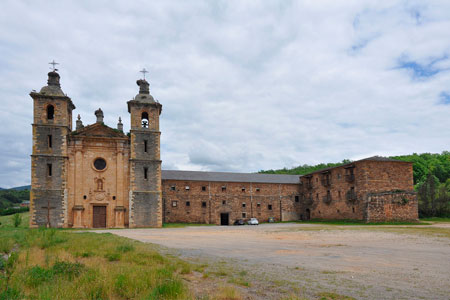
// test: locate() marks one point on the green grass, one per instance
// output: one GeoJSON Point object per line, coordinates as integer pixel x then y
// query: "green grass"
{"type": "Point", "coordinates": [436, 219]}
{"type": "Point", "coordinates": [7, 221]}
{"type": "Point", "coordinates": [358, 222]}
{"type": "Point", "coordinates": [182, 225]}
{"type": "Point", "coordinates": [65, 264]}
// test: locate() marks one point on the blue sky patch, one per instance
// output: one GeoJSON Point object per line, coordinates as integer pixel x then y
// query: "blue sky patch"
{"type": "Point", "coordinates": [421, 71]}
{"type": "Point", "coordinates": [444, 98]}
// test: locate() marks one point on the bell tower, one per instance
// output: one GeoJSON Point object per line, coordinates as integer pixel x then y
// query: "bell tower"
{"type": "Point", "coordinates": [145, 197]}
{"type": "Point", "coordinates": [52, 122]}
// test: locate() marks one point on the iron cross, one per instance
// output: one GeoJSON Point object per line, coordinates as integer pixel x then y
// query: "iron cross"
{"type": "Point", "coordinates": [48, 207]}
{"type": "Point", "coordinates": [143, 71]}
{"type": "Point", "coordinates": [54, 65]}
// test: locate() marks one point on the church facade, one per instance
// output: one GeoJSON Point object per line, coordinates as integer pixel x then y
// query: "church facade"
{"type": "Point", "coordinates": [96, 176]}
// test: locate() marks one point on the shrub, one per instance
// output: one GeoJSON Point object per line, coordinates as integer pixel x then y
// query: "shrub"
{"type": "Point", "coordinates": [17, 220]}
{"type": "Point", "coordinates": [169, 289]}
{"type": "Point", "coordinates": [125, 248]}
{"type": "Point", "coordinates": [112, 256]}
{"type": "Point", "coordinates": [67, 269]}
{"type": "Point", "coordinates": [37, 275]}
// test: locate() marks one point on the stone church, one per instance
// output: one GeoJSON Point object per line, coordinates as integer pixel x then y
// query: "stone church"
{"type": "Point", "coordinates": [100, 177]}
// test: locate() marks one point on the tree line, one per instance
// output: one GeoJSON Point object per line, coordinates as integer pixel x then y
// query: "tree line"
{"type": "Point", "coordinates": [431, 173]}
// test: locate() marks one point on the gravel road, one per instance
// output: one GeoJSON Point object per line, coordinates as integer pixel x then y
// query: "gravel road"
{"type": "Point", "coordinates": [365, 262]}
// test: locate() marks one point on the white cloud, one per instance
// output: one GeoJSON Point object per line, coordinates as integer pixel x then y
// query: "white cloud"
{"type": "Point", "coordinates": [245, 85]}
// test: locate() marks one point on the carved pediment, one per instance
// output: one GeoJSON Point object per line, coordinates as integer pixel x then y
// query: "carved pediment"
{"type": "Point", "coordinates": [98, 130]}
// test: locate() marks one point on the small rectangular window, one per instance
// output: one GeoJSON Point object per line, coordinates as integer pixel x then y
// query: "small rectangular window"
{"type": "Point", "coordinates": [257, 189]}
{"type": "Point", "coordinates": [203, 188]}
{"type": "Point", "coordinates": [187, 188]}
{"type": "Point", "coordinates": [203, 204]}
{"type": "Point", "coordinates": [172, 188]}
{"type": "Point", "coordinates": [258, 204]}
{"type": "Point", "coordinates": [145, 173]}
{"type": "Point", "coordinates": [224, 188]}
{"type": "Point", "coordinates": [243, 204]}
{"type": "Point", "coordinates": [145, 145]}
{"type": "Point", "coordinates": [269, 207]}
{"type": "Point", "coordinates": [174, 203]}
{"type": "Point", "coordinates": [50, 142]}
{"type": "Point", "coordinates": [297, 198]}
{"type": "Point", "coordinates": [49, 169]}
{"type": "Point", "coordinates": [224, 202]}
{"type": "Point", "coordinates": [188, 203]}
{"type": "Point", "coordinates": [244, 215]}
{"type": "Point", "coordinates": [243, 189]}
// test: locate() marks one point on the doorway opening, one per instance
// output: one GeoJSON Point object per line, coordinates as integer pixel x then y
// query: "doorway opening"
{"type": "Point", "coordinates": [99, 217]}
{"type": "Point", "coordinates": [308, 214]}
{"type": "Point", "coordinates": [224, 219]}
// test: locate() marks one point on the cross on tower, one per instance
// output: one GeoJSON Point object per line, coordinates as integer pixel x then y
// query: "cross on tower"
{"type": "Point", "coordinates": [143, 71]}
{"type": "Point", "coordinates": [48, 207]}
{"type": "Point", "coordinates": [54, 65]}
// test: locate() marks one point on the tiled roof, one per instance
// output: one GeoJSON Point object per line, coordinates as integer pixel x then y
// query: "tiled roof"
{"type": "Point", "coordinates": [229, 177]}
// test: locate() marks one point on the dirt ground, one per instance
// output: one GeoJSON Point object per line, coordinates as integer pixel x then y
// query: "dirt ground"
{"type": "Point", "coordinates": [278, 260]}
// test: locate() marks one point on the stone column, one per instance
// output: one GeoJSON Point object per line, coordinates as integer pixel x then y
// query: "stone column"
{"type": "Point", "coordinates": [78, 208]}
{"type": "Point", "coordinates": [119, 210]}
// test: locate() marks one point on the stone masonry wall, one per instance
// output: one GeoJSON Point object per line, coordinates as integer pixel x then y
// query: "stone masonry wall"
{"type": "Point", "coordinates": [329, 195]}
{"type": "Point", "coordinates": [391, 206]}
{"type": "Point", "coordinates": [203, 201]}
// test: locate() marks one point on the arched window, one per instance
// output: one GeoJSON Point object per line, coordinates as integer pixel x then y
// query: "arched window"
{"type": "Point", "coordinates": [144, 119]}
{"type": "Point", "coordinates": [50, 112]}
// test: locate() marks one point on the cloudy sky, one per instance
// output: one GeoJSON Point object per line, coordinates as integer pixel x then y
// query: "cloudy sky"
{"type": "Point", "coordinates": [245, 85]}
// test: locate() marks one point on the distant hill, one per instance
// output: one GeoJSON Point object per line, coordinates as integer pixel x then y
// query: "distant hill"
{"type": "Point", "coordinates": [21, 188]}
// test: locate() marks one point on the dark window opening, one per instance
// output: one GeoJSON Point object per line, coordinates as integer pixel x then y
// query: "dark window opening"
{"type": "Point", "coordinates": [339, 194]}
{"type": "Point", "coordinates": [338, 211]}
{"type": "Point", "coordinates": [243, 204]}
{"type": "Point", "coordinates": [203, 188]}
{"type": "Point", "coordinates": [172, 188]}
{"type": "Point", "coordinates": [188, 203]}
{"type": "Point", "coordinates": [100, 164]}
{"type": "Point", "coordinates": [49, 169]}
{"type": "Point", "coordinates": [114, 197]}
{"type": "Point", "coordinates": [49, 139]}
{"type": "Point", "coordinates": [257, 189]}
{"type": "Point", "coordinates": [297, 198]}
{"type": "Point", "coordinates": [243, 189]}
{"type": "Point", "coordinates": [84, 197]}
{"type": "Point", "coordinates": [258, 205]}
{"type": "Point", "coordinates": [224, 202]}
{"type": "Point", "coordinates": [224, 188]}
{"type": "Point", "coordinates": [269, 206]}
{"type": "Point", "coordinates": [244, 215]}
{"type": "Point", "coordinates": [145, 173]}
{"type": "Point", "coordinates": [144, 119]}
{"type": "Point", "coordinates": [145, 145]}
{"type": "Point", "coordinates": [203, 204]}
{"type": "Point", "coordinates": [50, 112]}
{"type": "Point", "coordinates": [353, 209]}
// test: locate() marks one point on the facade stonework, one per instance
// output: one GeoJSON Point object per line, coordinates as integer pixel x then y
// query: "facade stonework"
{"type": "Point", "coordinates": [97, 176]}
{"type": "Point", "coordinates": [94, 176]}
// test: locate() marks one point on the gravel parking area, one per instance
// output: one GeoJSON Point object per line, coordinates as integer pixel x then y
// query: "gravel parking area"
{"type": "Point", "coordinates": [365, 262]}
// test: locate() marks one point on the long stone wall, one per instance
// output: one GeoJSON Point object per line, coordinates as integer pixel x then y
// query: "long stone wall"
{"type": "Point", "coordinates": [391, 206]}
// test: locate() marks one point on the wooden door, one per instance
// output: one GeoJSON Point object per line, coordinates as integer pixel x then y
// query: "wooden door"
{"type": "Point", "coordinates": [99, 217]}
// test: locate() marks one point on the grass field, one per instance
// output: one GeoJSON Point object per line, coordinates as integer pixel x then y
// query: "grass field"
{"type": "Point", "coordinates": [65, 264]}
